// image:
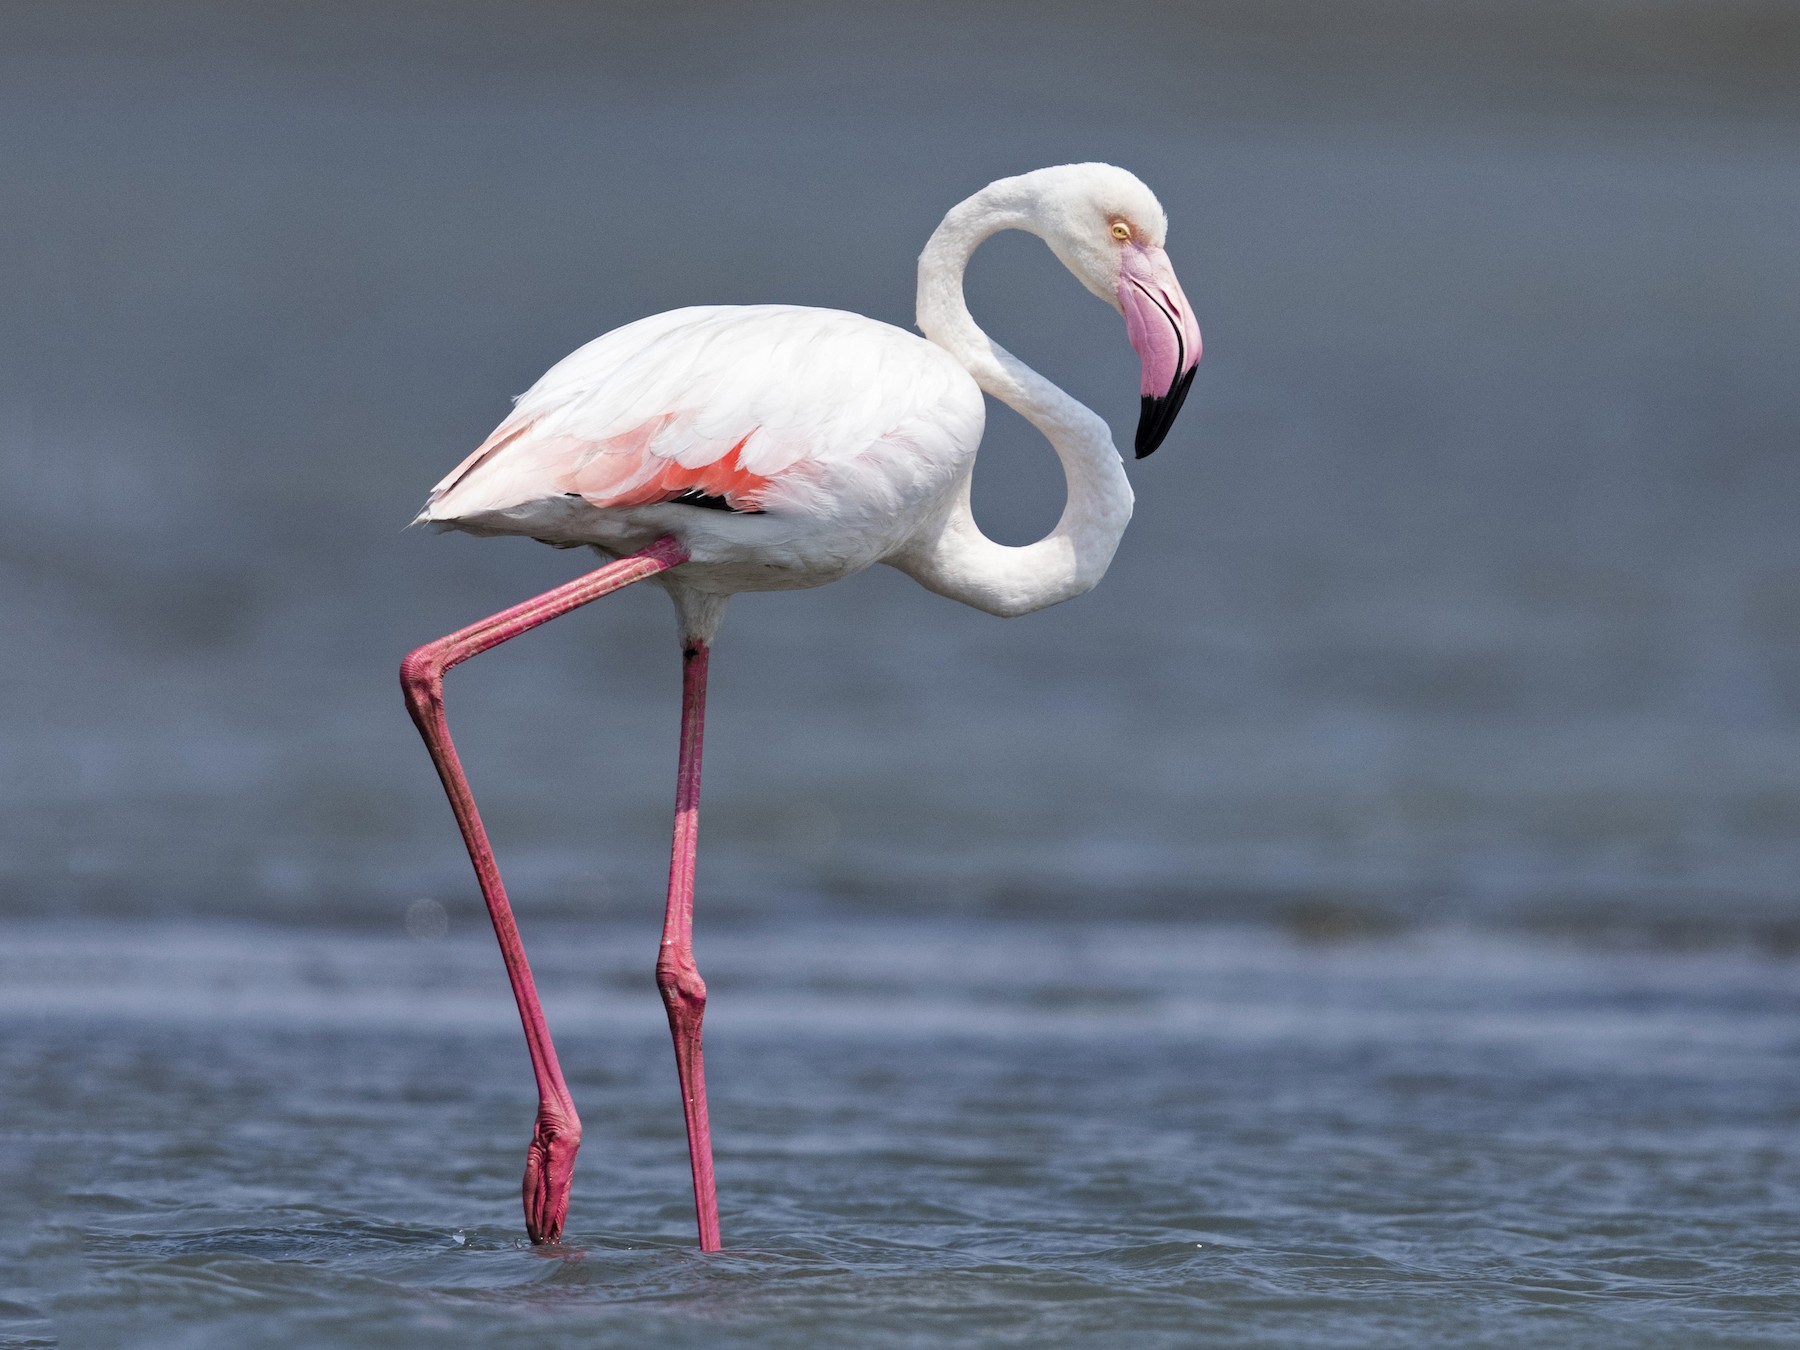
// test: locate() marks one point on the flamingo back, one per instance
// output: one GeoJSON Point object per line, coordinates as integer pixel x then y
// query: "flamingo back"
{"type": "Point", "coordinates": [773, 409]}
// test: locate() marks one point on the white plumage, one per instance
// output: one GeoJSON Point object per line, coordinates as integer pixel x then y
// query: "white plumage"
{"type": "Point", "coordinates": [835, 429]}
{"type": "Point", "coordinates": [786, 447]}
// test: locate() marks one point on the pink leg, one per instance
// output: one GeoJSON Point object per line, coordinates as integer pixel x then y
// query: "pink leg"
{"type": "Point", "coordinates": [683, 991]}
{"type": "Point", "coordinates": [550, 1161]}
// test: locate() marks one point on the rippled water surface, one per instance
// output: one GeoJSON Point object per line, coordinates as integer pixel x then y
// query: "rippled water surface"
{"type": "Point", "coordinates": [978, 1134]}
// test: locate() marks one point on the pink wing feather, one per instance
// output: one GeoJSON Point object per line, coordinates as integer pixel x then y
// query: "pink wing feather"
{"type": "Point", "coordinates": [734, 402]}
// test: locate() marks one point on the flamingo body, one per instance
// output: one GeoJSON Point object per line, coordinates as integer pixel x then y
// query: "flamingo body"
{"type": "Point", "coordinates": [772, 447]}
{"type": "Point", "coordinates": [820, 440]}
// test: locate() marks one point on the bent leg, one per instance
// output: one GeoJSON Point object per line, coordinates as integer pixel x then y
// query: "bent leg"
{"type": "Point", "coordinates": [683, 991]}
{"type": "Point", "coordinates": [550, 1160]}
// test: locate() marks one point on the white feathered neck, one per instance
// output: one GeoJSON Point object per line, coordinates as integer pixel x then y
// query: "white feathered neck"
{"type": "Point", "coordinates": [959, 561]}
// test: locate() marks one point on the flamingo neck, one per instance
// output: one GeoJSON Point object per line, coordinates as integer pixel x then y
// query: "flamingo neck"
{"type": "Point", "coordinates": [959, 561]}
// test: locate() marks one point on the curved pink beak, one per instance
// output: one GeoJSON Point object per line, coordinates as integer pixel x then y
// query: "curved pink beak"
{"type": "Point", "coordinates": [1161, 327]}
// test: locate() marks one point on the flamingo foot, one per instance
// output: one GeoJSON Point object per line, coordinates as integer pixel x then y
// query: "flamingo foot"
{"type": "Point", "coordinates": [549, 1168]}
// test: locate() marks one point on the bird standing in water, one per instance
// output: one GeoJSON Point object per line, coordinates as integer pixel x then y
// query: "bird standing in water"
{"type": "Point", "coordinates": [772, 447]}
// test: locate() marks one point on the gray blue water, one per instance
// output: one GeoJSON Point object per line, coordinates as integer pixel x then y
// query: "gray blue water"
{"type": "Point", "coordinates": [1369, 919]}
{"type": "Point", "coordinates": [997, 1133]}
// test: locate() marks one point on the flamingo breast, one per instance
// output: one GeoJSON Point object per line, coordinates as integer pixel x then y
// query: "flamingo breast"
{"type": "Point", "coordinates": [785, 446]}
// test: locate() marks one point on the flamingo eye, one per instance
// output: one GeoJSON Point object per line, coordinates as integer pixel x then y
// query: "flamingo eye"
{"type": "Point", "coordinates": [1121, 230]}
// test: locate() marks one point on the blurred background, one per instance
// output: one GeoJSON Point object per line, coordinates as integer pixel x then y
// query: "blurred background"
{"type": "Point", "coordinates": [1467, 588]}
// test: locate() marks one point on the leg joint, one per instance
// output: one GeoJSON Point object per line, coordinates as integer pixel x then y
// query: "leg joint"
{"type": "Point", "coordinates": [557, 1129]}
{"type": "Point", "coordinates": [681, 985]}
{"type": "Point", "coordinates": [422, 675]}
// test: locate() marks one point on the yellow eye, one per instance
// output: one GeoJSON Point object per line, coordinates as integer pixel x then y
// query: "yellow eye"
{"type": "Point", "coordinates": [1121, 230]}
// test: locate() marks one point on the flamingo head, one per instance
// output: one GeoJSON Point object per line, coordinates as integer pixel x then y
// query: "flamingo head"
{"type": "Point", "coordinates": [1108, 229]}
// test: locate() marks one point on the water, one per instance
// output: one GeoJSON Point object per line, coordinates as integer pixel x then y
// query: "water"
{"type": "Point", "coordinates": [999, 1133]}
{"type": "Point", "coordinates": [1367, 920]}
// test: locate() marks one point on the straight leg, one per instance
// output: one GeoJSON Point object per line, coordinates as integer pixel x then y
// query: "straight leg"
{"type": "Point", "coordinates": [550, 1159]}
{"type": "Point", "coordinates": [683, 991]}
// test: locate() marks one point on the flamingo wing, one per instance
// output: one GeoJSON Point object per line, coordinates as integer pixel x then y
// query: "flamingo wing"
{"type": "Point", "coordinates": [721, 406]}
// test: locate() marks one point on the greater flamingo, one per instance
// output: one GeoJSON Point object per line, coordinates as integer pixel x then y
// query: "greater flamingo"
{"type": "Point", "coordinates": [771, 447]}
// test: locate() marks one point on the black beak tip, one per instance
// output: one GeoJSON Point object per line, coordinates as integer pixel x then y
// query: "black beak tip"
{"type": "Point", "coordinates": [1149, 414]}
{"type": "Point", "coordinates": [1157, 415]}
